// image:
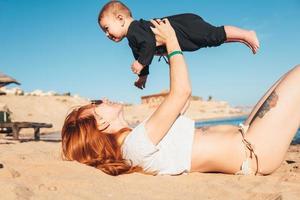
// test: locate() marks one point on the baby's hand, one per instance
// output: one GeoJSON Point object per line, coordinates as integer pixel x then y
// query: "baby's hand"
{"type": "Point", "coordinates": [136, 67]}
{"type": "Point", "coordinates": [141, 82]}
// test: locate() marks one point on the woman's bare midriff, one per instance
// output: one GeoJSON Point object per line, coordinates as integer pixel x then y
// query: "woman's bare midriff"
{"type": "Point", "coordinates": [217, 149]}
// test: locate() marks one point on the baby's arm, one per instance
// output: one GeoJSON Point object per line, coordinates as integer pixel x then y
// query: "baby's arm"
{"type": "Point", "coordinates": [141, 81]}
{"type": "Point", "coordinates": [145, 69]}
{"type": "Point", "coordinates": [146, 46]}
{"type": "Point", "coordinates": [146, 53]}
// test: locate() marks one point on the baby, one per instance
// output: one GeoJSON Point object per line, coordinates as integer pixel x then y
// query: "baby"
{"type": "Point", "coordinates": [193, 33]}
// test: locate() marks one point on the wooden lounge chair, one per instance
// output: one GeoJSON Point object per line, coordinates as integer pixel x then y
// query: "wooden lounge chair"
{"type": "Point", "coordinates": [17, 126]}
{"type": "Point", "coordinates": [9, 127]}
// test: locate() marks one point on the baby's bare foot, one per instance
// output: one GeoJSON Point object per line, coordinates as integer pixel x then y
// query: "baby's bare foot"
{"type": "Point", "coordinates": [252, 41]}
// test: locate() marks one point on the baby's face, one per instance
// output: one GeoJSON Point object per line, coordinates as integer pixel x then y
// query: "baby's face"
{"type": "Point", "coordinates": [113, 27]}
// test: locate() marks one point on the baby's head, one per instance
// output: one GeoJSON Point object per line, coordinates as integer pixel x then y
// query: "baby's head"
{"type": "Point", "coordinates": [114, 19]}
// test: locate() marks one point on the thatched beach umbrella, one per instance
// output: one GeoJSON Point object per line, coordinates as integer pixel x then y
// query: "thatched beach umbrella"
{"type": "Point", "coordinates": [5, 80]}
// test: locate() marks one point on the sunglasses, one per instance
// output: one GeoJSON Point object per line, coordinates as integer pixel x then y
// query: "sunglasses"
{"type": "Point", "coordinates": [96, 102]}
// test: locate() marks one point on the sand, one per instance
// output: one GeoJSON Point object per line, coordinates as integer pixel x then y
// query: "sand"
{"type": "Point", "coordinates": [34, 169]}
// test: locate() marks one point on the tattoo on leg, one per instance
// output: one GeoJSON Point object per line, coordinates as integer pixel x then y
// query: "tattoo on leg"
{"type": "Point", "coordinates": [270, 102]}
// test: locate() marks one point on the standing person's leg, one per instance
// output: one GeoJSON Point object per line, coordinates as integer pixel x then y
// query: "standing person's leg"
{"type": "Point", "coordinates": [276, 121]}
{"type": "Point", "coordinates": [249, 38]}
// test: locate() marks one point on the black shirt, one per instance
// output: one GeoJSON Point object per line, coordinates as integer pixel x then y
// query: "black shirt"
{"type": "Point", "coordinates": [191, 30]}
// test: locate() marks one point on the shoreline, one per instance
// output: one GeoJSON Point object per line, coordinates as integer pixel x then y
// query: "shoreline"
{"type": "Point", "coordinates": [220, 118]}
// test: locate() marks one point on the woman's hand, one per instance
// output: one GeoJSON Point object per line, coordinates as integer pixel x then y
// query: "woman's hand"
{"type": "Point", "coordinates": [163, 31]}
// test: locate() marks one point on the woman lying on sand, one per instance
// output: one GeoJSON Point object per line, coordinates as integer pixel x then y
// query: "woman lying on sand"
{"type": "Point", "coordinates": [167, 142]}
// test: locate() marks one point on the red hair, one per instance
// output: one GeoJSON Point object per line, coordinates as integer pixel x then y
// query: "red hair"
{"type": "Point", "coordinates": [83, 142]}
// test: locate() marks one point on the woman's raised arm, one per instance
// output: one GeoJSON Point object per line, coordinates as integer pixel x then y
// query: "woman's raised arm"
{"type": "Point", "coordinates": [180, 89]}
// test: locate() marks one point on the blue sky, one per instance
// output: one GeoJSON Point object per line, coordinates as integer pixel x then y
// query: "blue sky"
{"type": "Point", "coordinates": [57, 45]}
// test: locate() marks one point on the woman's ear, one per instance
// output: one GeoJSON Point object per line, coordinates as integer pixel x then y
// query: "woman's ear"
{"type": "Point", "coordinates": [102, 124]}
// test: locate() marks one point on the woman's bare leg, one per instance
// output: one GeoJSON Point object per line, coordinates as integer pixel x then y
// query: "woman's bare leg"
{"type": "Point", "coordinates": [251, 117]}
{"type": "Point", "coordinates": [274, 121]}
{"type": "Point", "coordinates": [247, 37]}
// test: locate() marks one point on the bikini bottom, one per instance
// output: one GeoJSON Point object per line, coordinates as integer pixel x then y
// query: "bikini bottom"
{"type": "Point", "coordinates": [246, 165]}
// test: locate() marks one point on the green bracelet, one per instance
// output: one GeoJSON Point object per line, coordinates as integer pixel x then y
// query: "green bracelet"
{"type": "Point", "coordinates": [174, 53]}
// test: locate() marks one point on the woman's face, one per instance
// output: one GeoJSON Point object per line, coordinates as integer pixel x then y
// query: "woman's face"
{"type": "Point", "coordinates": [108, 110]}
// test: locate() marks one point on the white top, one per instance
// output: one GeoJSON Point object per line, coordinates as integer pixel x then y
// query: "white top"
{"type": "Point", "coordinates": [172, 155]}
